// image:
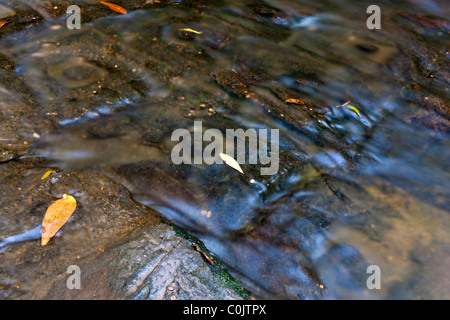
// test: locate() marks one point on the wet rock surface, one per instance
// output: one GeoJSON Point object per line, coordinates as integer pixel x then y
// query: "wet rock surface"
{"type": "Point", "coordinates": [123, 249]}
{"type": "Point", "coordinates": [99, 105]}
{"type": "Point", "coordinates": [22, 121]}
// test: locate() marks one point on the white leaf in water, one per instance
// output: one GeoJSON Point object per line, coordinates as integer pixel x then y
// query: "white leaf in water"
{"type": "Point", "coordinates": [231, 162]}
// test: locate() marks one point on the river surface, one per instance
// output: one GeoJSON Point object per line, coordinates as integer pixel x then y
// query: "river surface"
{"type": "Point", "coordinates": [363, 118]}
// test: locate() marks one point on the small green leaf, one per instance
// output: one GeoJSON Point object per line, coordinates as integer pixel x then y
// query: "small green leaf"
{"type": "Point", "coordinates": [354, 109]}
{"type": "Point", "coordinates": [190, 30]}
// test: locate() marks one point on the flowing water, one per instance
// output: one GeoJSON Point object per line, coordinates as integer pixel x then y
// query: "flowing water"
{"type": "Point", "coordinates": [360, 183]}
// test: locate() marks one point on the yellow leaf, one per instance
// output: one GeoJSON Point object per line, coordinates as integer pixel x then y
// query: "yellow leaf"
{"type": "Point", "coordinates": [231, 162]}
{"type": "Point", "coordinates": [2, 23]}
{"type": "Point", "coordinates": [354, 109]}
{"type": "Point", "coordinates": [190, 30]}
{"type": "Point", "coordinates": [49, 172]}
{"type": "Point", "coordinates": [56, 216]}
{"type": "Point", "coordinates": [114, 7]}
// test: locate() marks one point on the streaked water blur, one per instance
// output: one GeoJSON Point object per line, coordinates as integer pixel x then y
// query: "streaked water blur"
{"type": "Point", "coordinates": [352, 190]}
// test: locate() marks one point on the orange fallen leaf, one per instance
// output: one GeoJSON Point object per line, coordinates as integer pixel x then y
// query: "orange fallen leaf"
{"type": "Point", "coordinates": [56, 216]}
{"type": "Point", "coordinates": [2, 23]}
{"type": "Point", "coordinates": [294, 101]}
{"type": "Point", "coordinates": [114, 7]}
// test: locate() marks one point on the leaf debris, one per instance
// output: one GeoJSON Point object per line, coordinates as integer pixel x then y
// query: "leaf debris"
{"type": "Point", "coordinates": [49, 172]}
{"type": "Point", "coordinates": [231, 162]}
{"type": "Point", "coordinates": [114, 7]}
{"type": "Point", "coordinates": [56, 216]}
{"type": "Point", "coordinates": [190, 30]}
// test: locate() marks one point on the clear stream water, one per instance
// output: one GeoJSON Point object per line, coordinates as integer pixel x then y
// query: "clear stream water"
{"type": "Point", "coordinates": [352, 190]}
